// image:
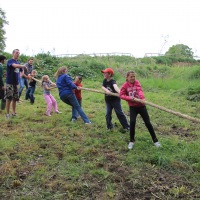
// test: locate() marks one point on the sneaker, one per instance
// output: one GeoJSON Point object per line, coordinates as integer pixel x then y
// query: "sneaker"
{"type": "Point", "coordinates": [58, 112]}
{"type": "Point", "coordinates": [48, 115]}
{"type": "Point", "coordinates": [88, 123]}
{"type": "Point", "coordinates": [73, 120]}
{"type": "Point", "coordinates": [157, 144]}
{"type": "Point", "coordinates": [130, 145]}
{"type": "Point", "coordinates": [14, 114]}
{"type": "Point", "coordinates": [7, 116]}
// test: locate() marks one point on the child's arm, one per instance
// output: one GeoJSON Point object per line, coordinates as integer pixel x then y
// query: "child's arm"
{"type": "Point", "coordinates": [116, 88]}
{"type": "Point", "coordinates": [46, 87]}
{"type": "Point", "coordinates": [106, 90]}
{"type": "Point", "coordinates": [52, 83]}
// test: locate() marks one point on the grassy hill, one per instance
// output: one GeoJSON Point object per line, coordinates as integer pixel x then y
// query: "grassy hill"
{"type": "Point", "coordinates": [52, 158]}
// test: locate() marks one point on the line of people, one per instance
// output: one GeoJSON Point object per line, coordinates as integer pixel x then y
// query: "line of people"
{"type": "Point", "coordinates": [70, 93]}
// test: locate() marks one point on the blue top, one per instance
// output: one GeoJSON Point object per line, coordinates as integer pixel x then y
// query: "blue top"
{"type": "Point", "coordinates": [65, 85]}
{"type": "Point", "coordinates": [12, 73]}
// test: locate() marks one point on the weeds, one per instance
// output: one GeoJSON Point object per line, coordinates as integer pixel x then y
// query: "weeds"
{"type": "Point", "coordinates": [51, 158]}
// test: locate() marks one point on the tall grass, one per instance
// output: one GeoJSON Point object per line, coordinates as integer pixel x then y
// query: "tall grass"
{"type": "Point", "coordinates": [52, 158]}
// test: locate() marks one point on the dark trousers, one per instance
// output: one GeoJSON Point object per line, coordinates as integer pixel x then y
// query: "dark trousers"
{"type": "Point", "coordinates": [116, 105]}
{"type": "Point", "coordinates": [2, 99]}
{"type": "Point", "coordinates": [30, 94]}
{"type": "Point", "coordinates": [134, 111]}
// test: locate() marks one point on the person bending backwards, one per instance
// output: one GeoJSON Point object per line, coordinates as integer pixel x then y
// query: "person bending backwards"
{"type": "Point", "coordinates": [49, 98]}
{"type": "Point", "coordinates": [130, 90]}
{"type": "Point", "coordinates": [66, 86]}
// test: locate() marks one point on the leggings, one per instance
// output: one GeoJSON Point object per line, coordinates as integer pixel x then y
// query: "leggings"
{"type": "Point", "coordinates": [134, 111]}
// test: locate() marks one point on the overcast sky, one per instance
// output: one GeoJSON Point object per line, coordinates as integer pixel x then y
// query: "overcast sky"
{"type": "Point", "coordinates": [101, 26]}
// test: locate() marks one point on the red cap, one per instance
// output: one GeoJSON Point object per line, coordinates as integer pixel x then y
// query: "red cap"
{"type": "Point", "coordinates": [108, 70]}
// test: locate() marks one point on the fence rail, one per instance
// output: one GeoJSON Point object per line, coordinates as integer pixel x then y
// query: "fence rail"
{"type": "Point", "coordinates": [114, 54]}
{"type": "Point", "coordinates": [95, 54]}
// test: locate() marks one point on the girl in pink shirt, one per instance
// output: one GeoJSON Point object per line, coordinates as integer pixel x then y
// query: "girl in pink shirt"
{"type": "Point", "coordinates": [130, 90]}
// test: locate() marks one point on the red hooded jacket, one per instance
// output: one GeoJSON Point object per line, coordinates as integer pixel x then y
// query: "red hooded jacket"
{"type": "Point", "coordinates": [130, 90]}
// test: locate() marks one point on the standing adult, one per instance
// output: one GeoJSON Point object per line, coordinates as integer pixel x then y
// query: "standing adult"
{"type": "Point", "coordinates": [24, 75]}
{"type": "Point", "coordinates": [2, 88]}
{"type": "Point", "coordinates": [12, 82]}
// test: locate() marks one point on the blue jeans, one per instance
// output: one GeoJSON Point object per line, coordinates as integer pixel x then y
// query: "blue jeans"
{"type": "Point", "coordinates": [23, 82]}
{"type": "Point", "coordinates": [74, 111]}
{"type": "Point", "coordinates": [71, 100]}
{"type": "Point", "coordinates": [116, 104]}
{"type": "Point", "coordinates": [30, 94]}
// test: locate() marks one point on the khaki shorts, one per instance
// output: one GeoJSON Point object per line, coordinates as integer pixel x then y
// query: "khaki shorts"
{"type": "Point", "coordinates": [12, 92]}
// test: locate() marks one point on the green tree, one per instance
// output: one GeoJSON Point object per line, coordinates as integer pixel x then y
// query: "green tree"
{"type": "Point", "coordinates": [2, 31]}
{"type": "Point", "coordinates": [180, 51]}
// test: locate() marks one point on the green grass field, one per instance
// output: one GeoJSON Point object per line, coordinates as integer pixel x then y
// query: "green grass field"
{"type": "Point", "coordinates": [52, 158]}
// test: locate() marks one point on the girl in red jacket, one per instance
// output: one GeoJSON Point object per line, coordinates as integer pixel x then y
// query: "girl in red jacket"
{"type": "Point", "coordinates": [130, 90]}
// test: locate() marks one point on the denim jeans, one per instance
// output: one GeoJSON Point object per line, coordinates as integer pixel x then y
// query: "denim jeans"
{"type": "Point", "coordinates": [71, 100]}
{"type": "Point", "coordinates": [22, 82]}
{"type": "Point", "coordinates": [30, 94]}
{"type": "Point", "coordinates": [74, 111]}
{"type": "Point", "coordinates": [116, 104]}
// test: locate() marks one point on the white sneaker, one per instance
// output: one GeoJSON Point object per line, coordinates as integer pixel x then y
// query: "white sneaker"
{"type": "Point", "coordinates": [7, 116]}
{"type": "Point", "coordinates": [157, 144]}
{"type": "Point", "coordinates": [73, 120]}
{"type": "Point", "coordinates": [130, 145]}
{"type": "Point", "coordinates": [88, 123]}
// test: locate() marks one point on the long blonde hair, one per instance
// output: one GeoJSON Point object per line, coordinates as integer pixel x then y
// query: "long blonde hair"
{"type": "Point", "coordinates": [60, 71]}
{"type": "Point", "coordinates": [44, 77]}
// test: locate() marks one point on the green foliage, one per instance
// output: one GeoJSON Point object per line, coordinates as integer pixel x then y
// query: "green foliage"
{"type": "Point", "coordinates": [3, 22]}
{"type": "Point", "coordinates": [169, 60]}
{"type": "Point", "coordinates": [123, 59]}
{"type": "Point", "coordinates": [194, 74]}
{"type": "Point", "coordinates": [52, 158]}
{"type": "Point", "coordinates": [148, 60]}
{"type": "Point", "coordinates": [87, 68]}
{"type": "Point", "coordinates": [180, 51]}
{"type": "Point", "coordinates": [193, 93]}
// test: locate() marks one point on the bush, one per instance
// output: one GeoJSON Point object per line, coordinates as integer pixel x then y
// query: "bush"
{"type": "Point", "coordinates": [195, 74]}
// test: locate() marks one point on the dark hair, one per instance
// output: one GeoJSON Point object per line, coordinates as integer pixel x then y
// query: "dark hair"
{"type": "Point", "coordinates": [79, 77]}
{"type": "Point", "coordinates": [2, 57]}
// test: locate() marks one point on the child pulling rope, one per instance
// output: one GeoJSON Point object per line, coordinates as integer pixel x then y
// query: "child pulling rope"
{"type": "Point", "coordinates": [145, 102]}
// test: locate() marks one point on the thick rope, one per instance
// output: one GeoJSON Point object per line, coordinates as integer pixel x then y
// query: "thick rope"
{"type": "Point", "coordinates": [141, 101]}
{"type": "Point", "coordinates": [153, 105]}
